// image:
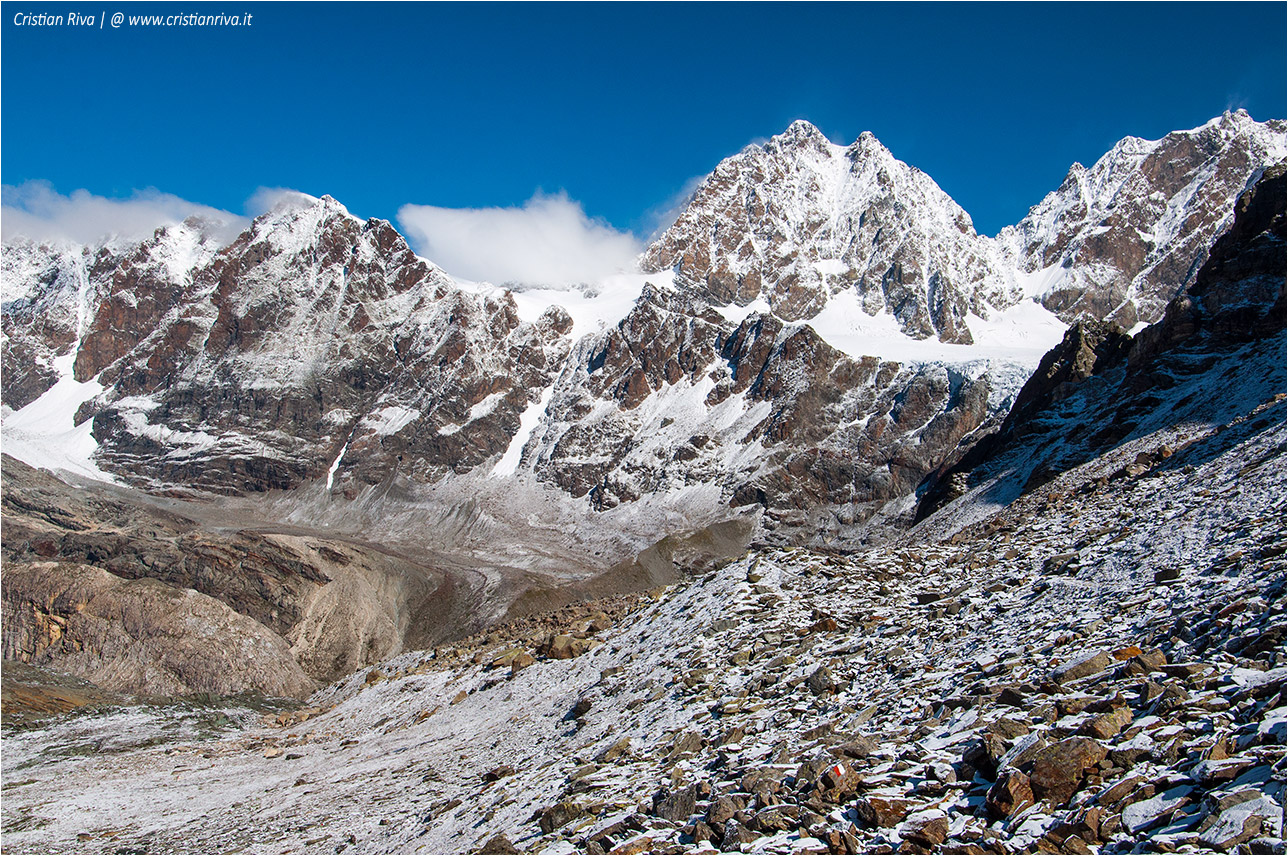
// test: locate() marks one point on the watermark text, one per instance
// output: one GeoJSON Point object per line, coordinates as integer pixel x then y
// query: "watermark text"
{"type": "Point", "coordinates": [117, 20]}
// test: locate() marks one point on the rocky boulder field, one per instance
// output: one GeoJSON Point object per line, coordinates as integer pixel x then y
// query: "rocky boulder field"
{"type": "Point", "coordinates": [1098, 666]}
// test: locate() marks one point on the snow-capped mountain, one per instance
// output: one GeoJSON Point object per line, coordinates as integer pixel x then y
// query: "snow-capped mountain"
{"type": "Point", "coordinates": [1119, 240]}
{"type": "Point", "coordinates": [800, 221]}
{"type": "Point", "coordinates": [311, 335]}
{"type": "Point", "coordinates": [318, 351]}
{"type": "Point", "coordinates": [1078, 646]}
{"type": "Point", "coordinates": [1080, 651]}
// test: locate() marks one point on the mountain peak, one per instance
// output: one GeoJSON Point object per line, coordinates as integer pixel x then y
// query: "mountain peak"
{"type": "Point", "coordinates": [803, 128]}
{"type": "Point", "coordinates": [799, 135]}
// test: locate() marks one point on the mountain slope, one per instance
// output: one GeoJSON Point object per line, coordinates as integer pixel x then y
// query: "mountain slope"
{"type": "Point", "coordinates": [1100, 665]}
{"type": "Point", "coordinates": [800, 220]}
{"type": "Point", "coordinates": [318, 354]}
{"type": "Point", "coordinates": [1119, 240]}
{"type": "Point", "coordinates": [1217, 352]}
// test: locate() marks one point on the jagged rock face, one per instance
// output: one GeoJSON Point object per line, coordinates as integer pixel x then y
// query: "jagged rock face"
{"type": "Point", "coordinates": [1239, 292]}
{"type": "Point", "coordinates": [93, 303]}
{"type": "Point", "coordinates": [1088, 347]}
{"type": "Point", "coordinates": [676, 397]}
{"type": "Point", "coordinates": [42, 319]}
{"type": "Point", "coordinates": [317, 347]}
{"type": "Point", "coordinates": [1218, 348]}
{"type": "Point", "coordinates": [1119, 240]}
{"type": "Point", "coordinates": [134, 290]}
{"type": "Point", "coordinates": [799, 219]}
{"type": "Point", "coordinates": [313, 334]}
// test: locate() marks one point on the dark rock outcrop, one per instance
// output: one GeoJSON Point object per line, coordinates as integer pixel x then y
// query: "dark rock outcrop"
{"type": "Point", "coordinates": [1097, 388]}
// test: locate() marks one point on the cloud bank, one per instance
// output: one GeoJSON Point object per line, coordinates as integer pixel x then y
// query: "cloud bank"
{"type": "Point", "coordinates": [35, 210]}
{"type": "Point", "coordinates": [548, 241]}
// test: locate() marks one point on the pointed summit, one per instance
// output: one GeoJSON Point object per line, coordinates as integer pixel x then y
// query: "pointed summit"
{"type": "Point", "coordinates": [803, 130]}
{"type": "Point", "coordinates": [800, 220]}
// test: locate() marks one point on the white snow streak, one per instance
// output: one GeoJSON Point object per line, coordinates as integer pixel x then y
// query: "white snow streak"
{"type": "Point", "coordinates": [527, 422]}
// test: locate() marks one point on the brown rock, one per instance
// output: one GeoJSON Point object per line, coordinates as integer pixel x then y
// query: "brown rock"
{"type": "Point", "coordinates": [735, 835]}
{"type": "Point", "coordinates": [720, 810]}
{"type": "Point", "coordinates": [617, 750]}
{"type": "Point", "coordinates": [703, 832]}
{"type": "Point", "coordinates": [823, 682]}
{"type": "Point", "coordinates": [1108, 725]}
{"type": "Point", "coordinates": [498, 844]}
{"type": "Point", "coordinates": [558, 815]}
{"type": "Point", "coordinates": [640, 844]}
{"type": "Point", "coordinates": [858, 748]}
{"type": "Point", "coordinates": [1010, 795]}
{"type": "Point", "coordinates": [931, 832]}
{"type": "Point", "coordinates": [676, 805]}
{"type": "Point", "coordinates": [1082, 667]}
{"type": "Point", "coordinates": [837, 783]}
{"type": "Point", "coordinates": [884, 812]}
{"type": "Point", "coordinates": [1059, 769]}
{"type": "Point", "coordinates": [1117, 792]}
{"type": "Point", "coordinates": [775, 819]}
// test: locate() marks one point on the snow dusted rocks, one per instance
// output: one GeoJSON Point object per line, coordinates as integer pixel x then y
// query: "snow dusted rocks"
{"type": "Point", "coordinates": [261, 365]}
{"type": "Point", "coordinates": [1120, 239]}
{"type": "Point", "coordinates": [316, 353]}
{"type": "Point", "coordinates": [768, 414]}
{"type": "Point", "coordinates": [314, 337]}
{"type": "Point", "coordinates": [798, 221]}
{"type": "Point", "coordinates": [703, 733]}
{"type": "Point", "coordinates": [1217, 354]}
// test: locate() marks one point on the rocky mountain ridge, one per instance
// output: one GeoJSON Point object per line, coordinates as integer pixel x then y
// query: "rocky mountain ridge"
{"type": "Point", "coordinates": [1114, 385]}
{"type": "Point", "coordinates": [1078, 648]}
{"type": "Point", "coordinates": [800, 220]}
{"type": "Point", "coordinates": [317, 349]}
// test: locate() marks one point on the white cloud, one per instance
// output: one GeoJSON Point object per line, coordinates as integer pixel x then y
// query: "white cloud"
{"type": "Point", "coordinates": [35, 210]}
{"type": "Point", "coordinates": [549, 241]}
{"type": "Point", "coordinates": [265, 199]}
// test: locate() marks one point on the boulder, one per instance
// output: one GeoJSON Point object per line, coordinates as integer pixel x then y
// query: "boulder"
{"type": "Point", "coordinates": [677, 805]}
{"type": "Point", "coordinates": [1081, 667]}
{"type": "Point", "coordinates": [558, 815]}
{"type": "Point", "coordinates": [498, 844]}
{"type": "Point", "coordinates": [735, 835]}
{"type": "Point", "coordinates": [883, 811]}
{"type": "Point", "coordinates": [1058, 770]}
{"type": "Point", "coordinates": [1010, 795]}
{"type": "Point", "coordinates": [822, 681]}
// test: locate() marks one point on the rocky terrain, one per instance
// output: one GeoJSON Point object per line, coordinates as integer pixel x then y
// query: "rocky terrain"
{"type": "Point", "coordinates": [1115, 241]}
{"type": "Point", "coordinates": [1099, 663]}
{"type": "Point", "coordinates": [1079, 647]}
{"type": "Point", "coordinates": [138, 599]}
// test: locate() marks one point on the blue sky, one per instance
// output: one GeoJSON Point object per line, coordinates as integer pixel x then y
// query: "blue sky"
{"type": "Point", "coordinates": [616, 105]}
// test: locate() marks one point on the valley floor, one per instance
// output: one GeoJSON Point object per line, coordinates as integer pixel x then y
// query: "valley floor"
{"type": "Point", "coordinates": [1097, 665]}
